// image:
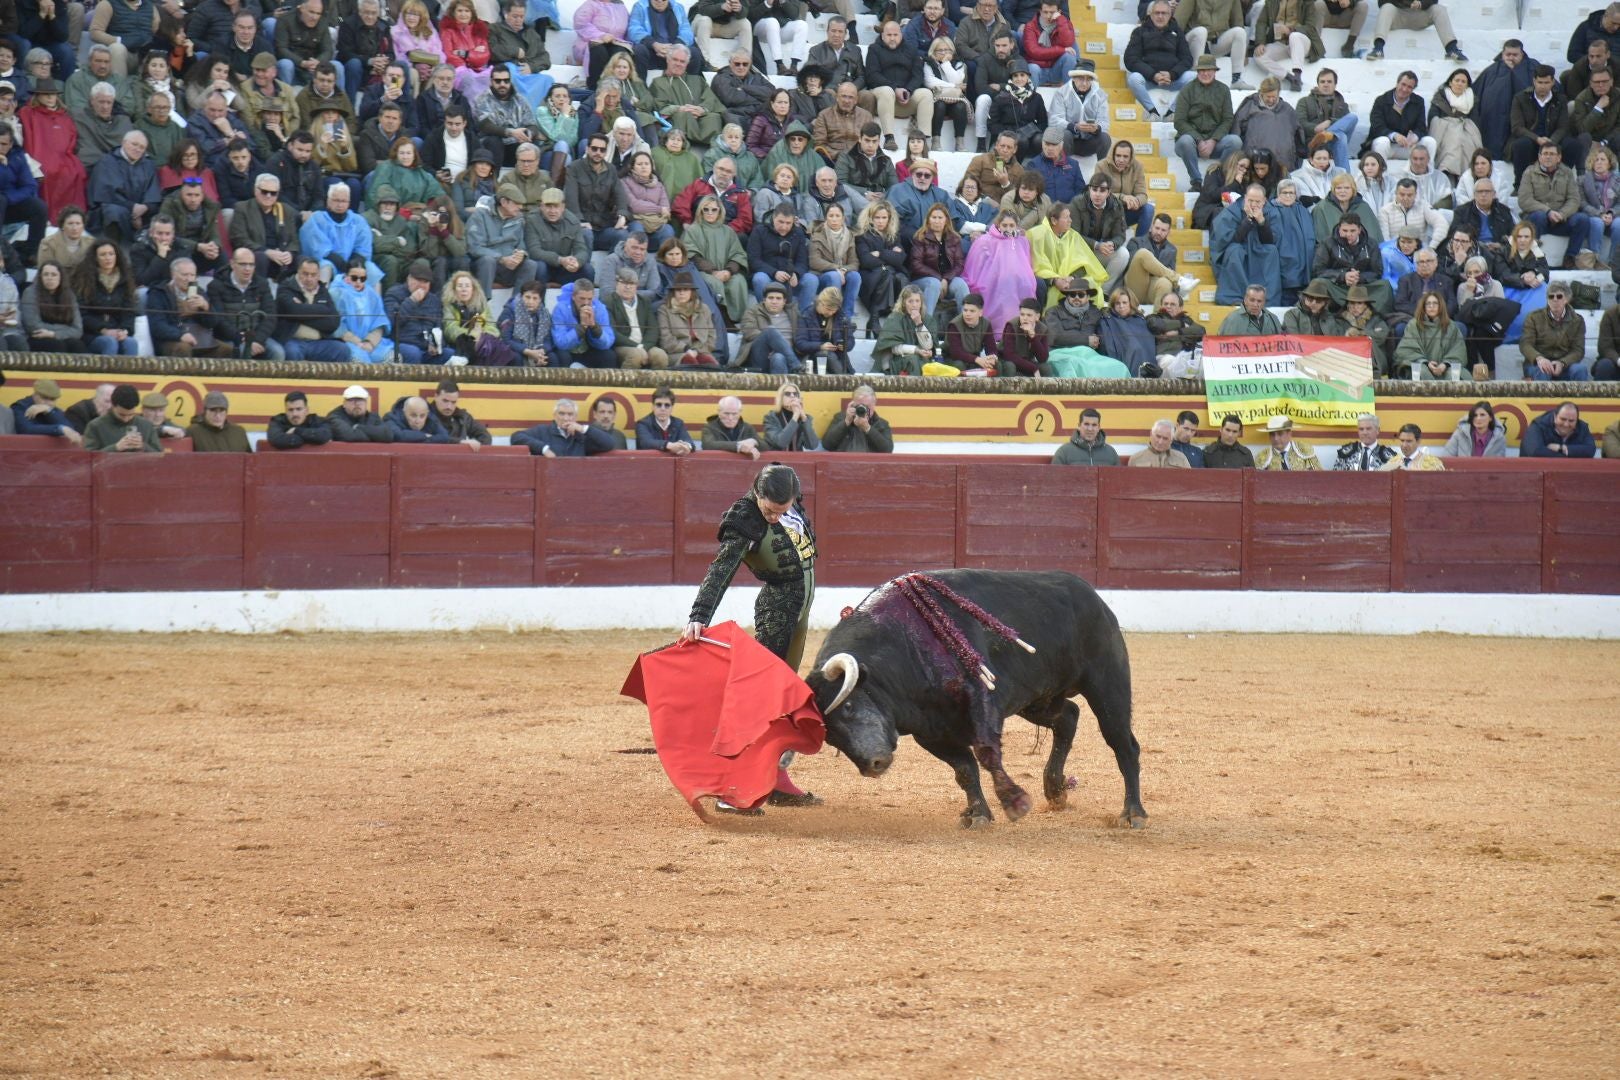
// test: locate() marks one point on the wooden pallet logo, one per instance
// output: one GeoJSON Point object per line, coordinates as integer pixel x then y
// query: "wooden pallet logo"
{"type": "Point", "coordinates": [1354, 373]}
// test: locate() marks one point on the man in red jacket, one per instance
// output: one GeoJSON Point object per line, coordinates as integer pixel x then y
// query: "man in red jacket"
{"type": "Point", "coordinates": [1049, 45]}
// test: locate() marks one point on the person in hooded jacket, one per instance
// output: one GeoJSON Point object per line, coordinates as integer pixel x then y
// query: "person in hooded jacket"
{"type": "Point", "coordinates": [1088, 445]}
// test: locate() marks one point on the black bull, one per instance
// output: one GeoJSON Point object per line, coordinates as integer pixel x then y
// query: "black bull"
{"type": "Point", "coordinates": [909, 683]}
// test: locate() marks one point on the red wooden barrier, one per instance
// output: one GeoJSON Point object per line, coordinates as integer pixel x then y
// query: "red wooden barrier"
{"type": "Point", "coordinates": [608, 521]}
{"type": "Point", "coordinates": [1581, 545]}
{"type": "Point", "coordinates": [165, 523]}
{"type": "Point", "coordinates": [1467, 532]}
{"type": "Point", "coordinates": [1317, 531]}
{"type": "Point", "coordinates": [458, 526]}
{"type": "Point", "coordinates": [1170, 529]}
{"type": "Point", "coordinates": [1013, 517]}
{"type": "Point", "coordinates": [319, 521]}
{"type": "Point", "coordinates": [47, 520]}
{"type": "Point", "coordinates": [374, 517]}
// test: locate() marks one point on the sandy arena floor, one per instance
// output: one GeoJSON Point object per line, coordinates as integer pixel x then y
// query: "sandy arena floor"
{"type": "Point", "coordinates": [422, 857]}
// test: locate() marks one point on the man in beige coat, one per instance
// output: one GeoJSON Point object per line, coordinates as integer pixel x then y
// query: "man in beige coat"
{"type": "Point", "coordinates": [1159, 453]}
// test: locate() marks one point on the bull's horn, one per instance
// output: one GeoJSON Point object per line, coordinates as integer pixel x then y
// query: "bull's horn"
{"type": "Point", "coordinates": [1027, 646]}
{"type": "Point", "coordinates": [846, 665]}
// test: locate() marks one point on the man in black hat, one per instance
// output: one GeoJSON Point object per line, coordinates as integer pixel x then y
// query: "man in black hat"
{"type": "Point", "coordinates": [1311, 315]}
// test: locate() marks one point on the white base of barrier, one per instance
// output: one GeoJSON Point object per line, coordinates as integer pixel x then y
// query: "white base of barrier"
{"type": "Point", "coordinates": [664, 608]}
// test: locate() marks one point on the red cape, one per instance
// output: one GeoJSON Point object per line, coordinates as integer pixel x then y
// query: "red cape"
{"type": "Point", "coordinates": [721, 718]}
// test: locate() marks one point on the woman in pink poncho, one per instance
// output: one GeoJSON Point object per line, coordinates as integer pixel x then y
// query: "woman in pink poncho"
{"type": "Point", "coordinates": [999, 269]}
{"type": "Point", "coordinates": [600, 28]}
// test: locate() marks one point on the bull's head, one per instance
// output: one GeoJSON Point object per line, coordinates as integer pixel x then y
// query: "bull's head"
{"type": "Point", "coordinates": [856, 722]}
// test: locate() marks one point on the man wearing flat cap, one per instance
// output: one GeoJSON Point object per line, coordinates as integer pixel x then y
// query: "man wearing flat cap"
{"type": "Point", "coordinates": [1285, 454]}
{"type": "Point", "coordinates": [122, 429]}
{"type": "Point", "coordinates": [214, 432]}
{"type": "Point", "coordinates": [38, 414]}
{"type": "Point", "coordinates": [495, 241]}
{"type": "Point", "coordinates": [263, 90]}
{"type": "Point", "coordinates": [1058, 169]}
{"type": "Point", "coordinates": [155, 411]}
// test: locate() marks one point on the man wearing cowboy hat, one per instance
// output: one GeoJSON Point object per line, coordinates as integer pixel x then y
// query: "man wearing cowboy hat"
{"type": "Point", "coordinates": [1311, 315]}
{"type": "Point", "coordinates": [1362, 320]}
{"type": "Point", "coordinates": [1284, 454]}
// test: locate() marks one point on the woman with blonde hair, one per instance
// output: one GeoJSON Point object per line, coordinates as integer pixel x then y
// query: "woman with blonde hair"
{"type": "Point", "coordinates": [1524, 274]}
{"type": "Point", "coordinates": [1124, 335]}
{"type": "Point", "coordinates": [826, 333]}
{"type": "Point", "coordinates": [787, 426]}
{"type": "Point", "coordinates": [467, 315]}
{"type": "Point", "coordinates": [881, 256]}
{"type": "Point", "coordinates": [1600, 191]}
{"type": "Point", "coordinates": [783, 190]}
{"type": "Point", "coordinates": [833, 256]}
{"type": "Point", "coordinates": [414, 32]}
{"type": "Point", "coordinates": [909, 338]}
{"type": "Point", "coordinates": [717, 252]}
{"type": "Point", "coordinates": [947, 78]}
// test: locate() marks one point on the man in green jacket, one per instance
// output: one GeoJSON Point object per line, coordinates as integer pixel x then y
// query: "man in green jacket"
{"type": "Point", "coordinates": [213, 432]}
{"type": "Point", "coordinates": [121, 429]}
{"type": "Point", "coordinates": [1204, 121]}
{"type": "Point", "coordinates": [1088, 445]}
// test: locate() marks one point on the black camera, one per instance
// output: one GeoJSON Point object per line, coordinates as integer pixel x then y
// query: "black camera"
{"type": "Point", "coordinates": [860, 410]}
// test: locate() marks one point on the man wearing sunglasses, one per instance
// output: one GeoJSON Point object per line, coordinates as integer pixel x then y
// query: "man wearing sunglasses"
{"type": "Point", "coordinates": [503, 112]}
{"type": "Point", "coordinates": [267, 228]}
{"type": "Point", "coordinates": [913, 196]}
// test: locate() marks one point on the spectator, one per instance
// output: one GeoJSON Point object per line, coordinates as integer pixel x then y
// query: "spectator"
{"type": "Point", "coordinates": [124, 30]}
{"type": "Point", "coordinates": [1204, 120]}
{"type": "Point", "coordinates": [470, 325]}
{"type": "Point", "coordinates": [1026, 342]}
{"type": "Point", "coordinates": [1407, 209]}
{"type": "Point", "coordinates": [294, 165]}
{"type": "Point", "coordinates": [555, 241]}
{"type": "Point", "coordinates": [334, 236]}
{"type": "Point", "coordinates": [267, 228]}
{"type": "Point", "coordinates": [364, 323]}
{"type": "Point", "coordinates": [1363, 321]}
{"type": "Point", "coordinates": [768, 330]}
{"type": "Point", "coordinates": [946, 78]}
{"type": "Point", "coordinates": [12, 338]}
{"type": "Point", "coordinates": [787, 426]}
{"type": "Point", "coordinates": [99, 69]}
{"type": "Point", "coordinates": [215, 127]}
{"type": "Point", "coordinates": [686, 331]}
{"type": "Point", "coordinates": [401, 171]}
{"type": "Point", "coordinates": [1088, 445]}
{"type": "Point", "coordinates": [458, 423]}
{"type": "Point", "coordinates": [1285, 452]}
{"type": "Point", "coordinates": [859, 429]}
{"type": "Point", "coordinates": [1226, 452]}
{"type": "Point", "coordinates": [1326, 117]}
{"type": "Point", "coordinates": [1559, 433]}
{"type": "Point", "coordinates": [1539, 114]}
{"type": "Point", "coordinates": [100, 128]}
{"type": "Point", "coordinates": [412, 421]}
{"type": "Point", "coordinates": [395, 240]}
{"type": "Point", "coordinates": [1076, 321]}
{"type": "Point", "coordinates": [634, 321]}
{"type": "Point", "coordinates": [307, 319]}
{"type": "Point", "coordinates": [594, 196]}
{"type": "Point", "coordinates": [525, 325]}
{"type": "Point", "coordinates": [181, 319]}
{"type": "Point", "coordinates": [1266, 122]}
{"type": "Point", "coordinates": [1311, 315]}
{"type": "Point", "coordinates": [1243, 247]}
{"type": "Point", "coordinates": [1432, 348]}
{"type": "Point", "coordinates": [244, 310]}
{"type": "Point", "coordinates": [214, 431]}
{"type": "Point", "coordinates": [1554, 340]}
{"type": "Point", "coordinates": [1485, 314]}
{"type": "Point", "coordinates": [727, 430]}
{"type": "Point", "coordinates": [684, 99]}
{"type": "Point", "coordinates": [105, 288]}
{"type": "Point", "coordinates": [122, 429]}
{"type": "Point", "coordinates": [154, 410]}
{"type": "Point", "coordinates": [779, 253]}
{"type": "Point", "coordinates": [936, 260]}
{"type": "Point", "coordinates": [894, 71]}
{"type": "Point", "coordinates": [296, 426]}
{"type": "Point", "coordinates": [1252, 319]}
{"type": "Point", "coordinates": [365, 46]}
{"type": "Point", "coordinates": [1601, 25]}
{"type": "Point", "coordinates": [1161, 452]}
{"type": "Point", "coordinates": [51, 313]}
{"type": "Point", "coordinates": [1479, 434]}
{"type": "Point", "coordinates": [304, 43]}
{"type": "Point", "coordinates": [124, 189]}
{"type": "Point", "coordinates": [80, 413]}
{"type": "Point", "coordinates": [353, 421]}
{"type": "Point", "coordinates": [1284, 47]}
{"type": "Point", "coordinates": [37, 413]}
{"type": "Point", "coordinates": [1399, 121]}
{"type": "Point", "coordinates": [416, 314]}
{"type": "Point", "coordinates": [196, 224]}
{"type": "Point", "coordinates": [1128, 181]}
{"type": "Point", "coordinates": [1019, 111]}
{"type": "Point", "coordinates": [1413, 456]}
{"type": "Point", "coordinates": [837, 130]}
{"type": "Point", "coordinates": [564, 435]}
{"type": "Point", "coordinates": [1366, 453]}
{"type": "Point", "coordinates": [1061, 258]}
{"type": "Point", "coordinates": [1219, 26]}
{"type": "Point", "coordinates": [1415, 15]}
{"type": "Point", "coordinates": [1186, 429]}
{"type": "Point", "coordinates": [1425, 278]}
{"type": "Point", "coordinates": [663, 430]}
{"type": "Point", "coordinates": [1156, 57]}
{"type": "Point", "coordinates": [495, 240]}
{"type": "Point", "coordinates": [605, 418]}
{"type": "Point", "coordinates": [581, 331]}
{"type": "Point", "coordinates": [1348, 258]}
{"type": "Point", "coordinates": [391, 94]}
{"type": "Point", "coordinates": [1099, 218]}
{"type": "Point", "coordinates": [631, 255]}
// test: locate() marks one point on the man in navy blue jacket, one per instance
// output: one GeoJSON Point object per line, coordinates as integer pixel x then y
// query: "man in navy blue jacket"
{"type": "Point", "coordinates": [564, 435]}
{"type": "Point", "coordinates": [37, 413]}
{"type": "Point", "coordinates": [1559, 433]}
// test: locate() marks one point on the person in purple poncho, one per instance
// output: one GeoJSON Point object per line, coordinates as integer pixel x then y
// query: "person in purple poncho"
{"type": "Point", "coordinates": [999, 269]}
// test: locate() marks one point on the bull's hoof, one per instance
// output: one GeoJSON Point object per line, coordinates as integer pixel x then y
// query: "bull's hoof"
{"type": "Point", "coordinates": [1133, 817]}
{"type": "Point", "coordinates": [1017, 805]}
{"type": "Point", "coordinates": [1060, 801]}
{"type": "Point", "coordinates": [975, 820]}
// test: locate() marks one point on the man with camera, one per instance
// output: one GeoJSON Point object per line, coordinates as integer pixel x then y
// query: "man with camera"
{"type": "Point", "coordinates": [859, 429]}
